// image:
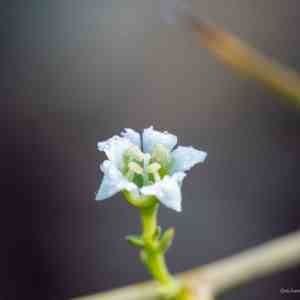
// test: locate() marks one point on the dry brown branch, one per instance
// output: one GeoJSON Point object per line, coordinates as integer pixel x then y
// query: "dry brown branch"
{"type": "Point", "coordinates": [215, 278]}
{"type": "Point", "coordinates": [248, 61]}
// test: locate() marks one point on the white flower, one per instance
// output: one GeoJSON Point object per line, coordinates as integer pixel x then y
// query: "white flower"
{"type": "Point", "coordinates": [146, 165]}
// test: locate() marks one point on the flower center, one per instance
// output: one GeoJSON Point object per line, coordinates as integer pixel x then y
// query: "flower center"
{"type": "Point", "coordinates": [145, 169]}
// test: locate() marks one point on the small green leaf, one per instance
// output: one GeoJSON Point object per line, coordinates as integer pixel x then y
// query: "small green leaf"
{"type": "Point", "coordinates": [157, 233]}
{"type": "Point", "coordinates": [166, 239]}
{"type": "Point", "coordinates": [135, 240]}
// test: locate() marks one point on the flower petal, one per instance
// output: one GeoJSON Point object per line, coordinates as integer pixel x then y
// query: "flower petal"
{"type": "Point", "coordinates": [179, 176]}
{"type": "Point", "coordinates": [114, 148]}
{"type": "Point", "coordinates": [152, 137]}
{"type": "Point", "coordinates": [113, 182]}
{"type": "Point", "coordinates": [167, 191]}
{"type": "Point", "coordinates": [186, 157]}
{"type": "Point", "coordinates": [133, 136]}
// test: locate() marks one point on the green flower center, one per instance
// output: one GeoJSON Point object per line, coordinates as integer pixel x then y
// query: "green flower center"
{"type": "Point", "coordinates": [145, 169]}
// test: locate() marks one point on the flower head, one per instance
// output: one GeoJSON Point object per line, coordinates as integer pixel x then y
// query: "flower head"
{"type": "Point", "coordinates": [146, 166]}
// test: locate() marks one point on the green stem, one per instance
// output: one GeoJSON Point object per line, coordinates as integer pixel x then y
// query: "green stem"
{"type": "Point", "coordinates": [153, 256]}
{"type": "Point", "coordinates": [149, 221]}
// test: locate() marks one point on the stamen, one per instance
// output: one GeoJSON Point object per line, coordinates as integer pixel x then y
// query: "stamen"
{"type": "Point", "coordinates": [130, 175]}
{"type": "Point", "coordinates": [162, 155]}
{"type": "Point", "coordinates": [154, 167]}
{"type": "Point", "coordinates": [147, 158]}
{"type": "Point", "coordinates": [134, 153]}
{"type": "Point", "coordinates": [136, 168]}
{"type": "Point", "coordinates": [138, 154]}
{"type": "Point", "coordinates": [154, 170]}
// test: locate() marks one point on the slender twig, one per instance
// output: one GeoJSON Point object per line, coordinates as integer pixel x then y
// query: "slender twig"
{"type": "Point", "coordinates": [215, 278]}
{"type": "Point", "coordinates": [247, 60]}
{"type": "Point", "coordinates": [271, 257]}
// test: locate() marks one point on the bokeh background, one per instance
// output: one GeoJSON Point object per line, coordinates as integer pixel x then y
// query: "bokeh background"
{"type": "Point", "coordinates": [76, 72]}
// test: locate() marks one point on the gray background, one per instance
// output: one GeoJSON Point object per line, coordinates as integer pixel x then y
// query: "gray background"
{"type": "Point", "coordinates": [76, 72]}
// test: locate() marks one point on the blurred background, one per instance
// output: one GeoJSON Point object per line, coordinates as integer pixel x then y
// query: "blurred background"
{"type": "Point", "coordinates": [76, 72]}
